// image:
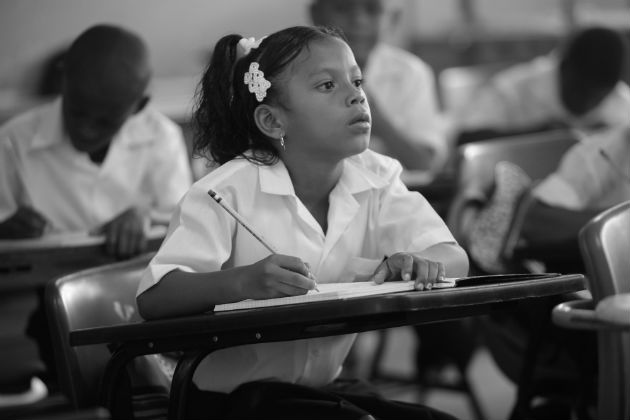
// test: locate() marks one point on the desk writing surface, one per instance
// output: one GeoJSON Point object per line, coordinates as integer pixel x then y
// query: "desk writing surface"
{"type": "Point", "coordinates": [325, 318]}
{"type": "Point", "coordinates": [202, 334]}
{"type": "Point", "coordinates": [30, 263]}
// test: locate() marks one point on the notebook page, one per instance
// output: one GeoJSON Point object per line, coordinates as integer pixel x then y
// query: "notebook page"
{"type": "Point", "coordinates": [327, 291]}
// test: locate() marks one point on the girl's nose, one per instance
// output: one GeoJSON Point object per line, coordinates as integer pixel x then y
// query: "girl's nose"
{"type": "Point", "coordinates": [357, 96]}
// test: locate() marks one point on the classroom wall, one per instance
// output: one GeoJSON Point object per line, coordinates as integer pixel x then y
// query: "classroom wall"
{"type": "Point", "coordinates": [181, 32]}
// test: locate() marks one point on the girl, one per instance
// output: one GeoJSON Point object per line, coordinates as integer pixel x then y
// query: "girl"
{"type": "Point", "coordinates": [288, 121]}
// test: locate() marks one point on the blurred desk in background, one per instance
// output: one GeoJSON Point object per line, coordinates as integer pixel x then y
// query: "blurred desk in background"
{"type": "Point", "coordinates": [27, 264]}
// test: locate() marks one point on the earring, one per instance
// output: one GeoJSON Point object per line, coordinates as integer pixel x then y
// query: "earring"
{"type": "Point", "coordinates": [282, 141]}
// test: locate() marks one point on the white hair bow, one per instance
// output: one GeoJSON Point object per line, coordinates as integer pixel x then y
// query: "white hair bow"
{"type": "Point", "coordinates": [248, 44]}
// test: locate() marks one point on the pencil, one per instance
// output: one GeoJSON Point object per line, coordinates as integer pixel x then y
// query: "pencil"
{"type": "Point", "coordinates": [243, 223]}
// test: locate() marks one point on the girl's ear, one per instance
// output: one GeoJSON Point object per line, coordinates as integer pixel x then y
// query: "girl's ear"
{"type": "Point", "coordinates": [268, 121]}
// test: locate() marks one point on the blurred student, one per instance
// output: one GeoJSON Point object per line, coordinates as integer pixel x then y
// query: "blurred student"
{"type": "Point", "coordinates": [98, 158]}
{"type": "Point", "coordinates": [578, 86]}
{"type": "Point", "coordinates": [406, 122]}
{"type": "Point", "coordinates": [593, 176]}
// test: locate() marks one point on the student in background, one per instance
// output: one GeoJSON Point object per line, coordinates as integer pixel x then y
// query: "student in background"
{"type": "Point", "coordinates": [99, 158]}
{"type": "Point", "coordinates": [578, 86]}
{"type": "Point", "coordinates": [593, 176]}
{"type": "Point", "coordinates": [287, 119]}
{"type": "Point", "coordinates": [406, 121]}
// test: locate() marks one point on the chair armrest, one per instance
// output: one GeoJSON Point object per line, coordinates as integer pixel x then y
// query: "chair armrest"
{"type": "Point", "coordinates": [579, 314]}
{"type": "Point", "coordinates": [615, 309]}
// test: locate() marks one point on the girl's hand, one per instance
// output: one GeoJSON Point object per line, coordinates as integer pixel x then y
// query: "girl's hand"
{"type": "Point", "coordinates": [276, 276]}
{"type": "Point", "coordinates": [405, 266]}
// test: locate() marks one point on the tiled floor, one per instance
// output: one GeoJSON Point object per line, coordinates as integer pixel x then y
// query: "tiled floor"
{"type": "Point", "coordinates": [493, 391]}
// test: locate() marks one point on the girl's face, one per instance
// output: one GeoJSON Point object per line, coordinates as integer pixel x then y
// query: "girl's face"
{"type": "Point", "coordinates": [325, 115]}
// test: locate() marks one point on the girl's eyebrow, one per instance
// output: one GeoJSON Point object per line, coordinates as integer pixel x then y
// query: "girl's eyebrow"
{"type": "Point", "coordinates": [333, 70]}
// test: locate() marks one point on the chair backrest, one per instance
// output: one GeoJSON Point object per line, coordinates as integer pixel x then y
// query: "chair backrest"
{"type": "Point", "coordinates": [605, 246]}
{"type": "Point", "coordinates": [99, 296]}
{"type": "Point", "coordinates": [538, 154]}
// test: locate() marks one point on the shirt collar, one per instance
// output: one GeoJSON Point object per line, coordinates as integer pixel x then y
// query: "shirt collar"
{"type": "Point", "coordinates": [137, 130]}
{"type": "Point", "coordinates": [356, 178]}
{"type": "Point", "coordinates": [50, 130]}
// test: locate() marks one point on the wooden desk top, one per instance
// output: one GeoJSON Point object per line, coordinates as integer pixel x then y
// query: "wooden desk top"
{"type": "Point", "coordinates": [318, 319]}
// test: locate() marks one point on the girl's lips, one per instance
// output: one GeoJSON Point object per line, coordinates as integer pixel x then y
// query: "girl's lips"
{"type": "Point", "coordinates": [363, 119]}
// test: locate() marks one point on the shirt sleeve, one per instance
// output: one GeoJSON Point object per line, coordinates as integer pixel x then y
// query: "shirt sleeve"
{"type": "Point", "coordinates": [423, 120]}
{"type": "Point", "coordinates": [10, 183]}
{"type": "Point", "coordinates": [199, 239]}
{"type": "Point", "coordinates": [486, 109]}
{"type": "Point", "coordinates": [171, 175]}
{"type": "Point", "coordinates": [576, 182]}
{"type": "Point", "coordinates": [407, 222]}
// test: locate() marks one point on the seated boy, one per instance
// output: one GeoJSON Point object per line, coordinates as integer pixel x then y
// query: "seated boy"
{"type": "Point", "coordinates": [98, 158]}
{"type": "Point", "coordinates": [579, 86]}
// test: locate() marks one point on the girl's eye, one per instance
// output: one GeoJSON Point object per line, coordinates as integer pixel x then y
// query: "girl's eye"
{"type": "Point", "coordinates": [327, 86]}
{"type": "Point", "coordinates": [358, 82]}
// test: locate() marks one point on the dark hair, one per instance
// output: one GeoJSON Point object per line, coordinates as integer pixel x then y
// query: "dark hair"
{"type": "Point", "coordinates": [597, 56]}
{"type": "Point", "coordinates": [224, 109]}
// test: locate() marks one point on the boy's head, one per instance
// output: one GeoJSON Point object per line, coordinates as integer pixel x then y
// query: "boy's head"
{"type": "Point", "coordinates": [106, 74]}
{"type": "Point", "coordinates": [360, 20]}
{"type": "Point", "coordinates": [591, 64]}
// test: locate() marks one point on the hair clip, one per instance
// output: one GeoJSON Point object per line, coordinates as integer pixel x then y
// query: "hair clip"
{"type": "Point", "coordinates": [248, 44]}
{"type": "Point", "coordinates": [255, 80]}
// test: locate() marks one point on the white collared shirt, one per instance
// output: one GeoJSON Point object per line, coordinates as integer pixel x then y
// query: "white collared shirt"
{"type": "Point", "coordinates": [404, 87]}
{"type": "Point", "coordinates": [147, 165]}
{"type": "Point", "coordinates": [527, 95]}
{"type": "Point", "coordinates": [371, 214]}
{"type": "Point", "coordinates": [593, 175]}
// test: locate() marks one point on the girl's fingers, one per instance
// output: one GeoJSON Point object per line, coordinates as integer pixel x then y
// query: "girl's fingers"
{"type": "Point", "coordinates": [422, 271]}
{"type": "Point", "coordinates": [433, 270]}
{"type": "Point", "coordinates": [406, 270]}
{"type": "Point", "coordinates": [294, 264]}
{"type": "Point", "coordinates": [441, 272]}
{"type": "Point", "coordinates": [381, 273]}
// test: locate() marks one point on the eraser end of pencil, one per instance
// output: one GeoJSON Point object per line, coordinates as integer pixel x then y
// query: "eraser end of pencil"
{"type": "Point", "coordinates": [212, 193]}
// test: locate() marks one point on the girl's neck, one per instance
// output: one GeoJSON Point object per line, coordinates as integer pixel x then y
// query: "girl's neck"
{"type": "Point", "coordinates": [313, 183]}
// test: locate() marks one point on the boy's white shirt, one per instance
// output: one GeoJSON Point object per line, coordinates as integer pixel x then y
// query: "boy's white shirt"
{"type": "Point", "coordinates": [147, 165]}
{"type": "Point", "coordinates": [526, 95]}
{"type": "Point", "coordinates": [371, 214]}
{"type": "Point", "coordinates": [585, 179]}
{"type": "Point", "coordinates": [405, 88]}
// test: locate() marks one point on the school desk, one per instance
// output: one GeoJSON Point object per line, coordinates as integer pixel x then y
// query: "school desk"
{"type": "Point", "coordinates": [199, 335]}
{"type": "Point", "coordinates": [27, 264]}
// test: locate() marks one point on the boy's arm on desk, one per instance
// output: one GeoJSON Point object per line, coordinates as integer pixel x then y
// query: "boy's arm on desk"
{"type": "Point", "coordinates": [68, 240]}
{"type": "Point", "coordinates": [30, 263]}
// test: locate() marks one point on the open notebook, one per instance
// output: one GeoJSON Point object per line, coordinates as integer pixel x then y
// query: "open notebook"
{"type": "Point", "coordinates": [331, 291]}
